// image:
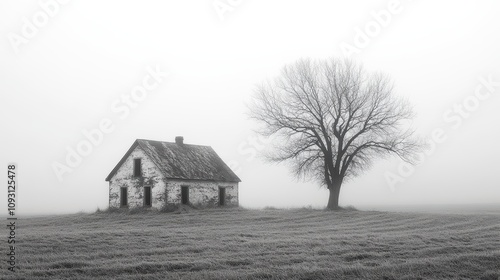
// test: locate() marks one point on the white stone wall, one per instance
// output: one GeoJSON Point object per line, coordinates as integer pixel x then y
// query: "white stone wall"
{"type": "Point", "coordinates": [124, 177]}
{"type": "Point", "coordinates": [204, 193]}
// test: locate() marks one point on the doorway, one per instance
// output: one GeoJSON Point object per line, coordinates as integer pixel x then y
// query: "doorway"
{"type": "Point", "coordinates": [123, 197]}
{"type": "Point", "coordinates": [147, 196]}
{"type": "Point", "coordinates": [185, 195]}
{"type": "Point", "coordinates": [222, 196]}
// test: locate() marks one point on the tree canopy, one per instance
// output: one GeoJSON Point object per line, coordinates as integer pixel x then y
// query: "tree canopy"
{"type": "Point", "coordinates": [331, 119]}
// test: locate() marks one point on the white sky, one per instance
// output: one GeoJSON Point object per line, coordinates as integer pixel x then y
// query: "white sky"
{"type": "Point", "coordinates": [65, 78]}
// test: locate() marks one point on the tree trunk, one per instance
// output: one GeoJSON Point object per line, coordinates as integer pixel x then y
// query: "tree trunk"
{"type": "Point", "coordinates": [333, 200]}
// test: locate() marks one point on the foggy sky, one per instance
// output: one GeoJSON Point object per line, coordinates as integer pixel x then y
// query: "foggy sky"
{"type": "Point", "coordinates": [78, 69]}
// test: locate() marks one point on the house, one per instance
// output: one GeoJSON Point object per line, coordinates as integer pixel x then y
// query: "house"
{"type": "Point", "coordinates": [161, 174]}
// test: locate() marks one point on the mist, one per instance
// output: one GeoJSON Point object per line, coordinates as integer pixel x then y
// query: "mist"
{"type": "Point", "coordinates": [81, 83]}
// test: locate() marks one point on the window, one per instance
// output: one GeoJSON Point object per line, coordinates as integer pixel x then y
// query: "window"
{"type": "Point", "coordinates": [222, 196]}
{"type": "Point", "coordinates": [137, 167]}
{"type": "Point", "coordinates": [147, 196]}
{"type": "Point", "coordinates": [185, 195]}
{"type": "Point", "coordinates": [123, 197]}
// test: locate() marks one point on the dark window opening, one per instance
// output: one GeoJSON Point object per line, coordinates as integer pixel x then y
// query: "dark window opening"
{"type": "Point", "coordinates": [185, 195]}
{"type": "Point", "coordinates": [222, 196]}
{"type": "Point", "coordinates": [147, 196]}
{"type": "Point", "coordinates": [123, 197]}
{"type": "Point", "coordinates": [137, 167]}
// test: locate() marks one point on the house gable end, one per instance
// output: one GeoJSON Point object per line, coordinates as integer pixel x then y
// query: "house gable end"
{"type": "Point", "coordinates": [122, 160]}
{"type": "Point", "coordinates": [134, 147]}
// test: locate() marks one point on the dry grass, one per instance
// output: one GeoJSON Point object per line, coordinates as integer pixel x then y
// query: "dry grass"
{"type": "Point", "coordinates": [258, 244]}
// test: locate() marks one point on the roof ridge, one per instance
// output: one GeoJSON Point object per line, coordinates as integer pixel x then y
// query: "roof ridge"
{"type": "Point", "coordinates": [149, 140]}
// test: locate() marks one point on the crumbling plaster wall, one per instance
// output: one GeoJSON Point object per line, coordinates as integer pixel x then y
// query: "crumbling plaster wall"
{"type": "Point", "coordinates": [201, 193]}
{"type": "Point", "coordinates": [124, 177]}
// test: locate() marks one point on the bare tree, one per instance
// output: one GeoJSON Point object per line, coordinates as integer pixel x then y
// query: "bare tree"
{"type": "Point", "coordinates": [332, 119]}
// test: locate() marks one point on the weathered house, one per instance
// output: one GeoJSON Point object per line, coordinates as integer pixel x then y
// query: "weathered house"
{"type": "Point", "coordinates": [160, 174]}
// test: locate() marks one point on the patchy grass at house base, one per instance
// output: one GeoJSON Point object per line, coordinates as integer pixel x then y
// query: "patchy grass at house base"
{"type": "Point", "coordinates": [258, 244]}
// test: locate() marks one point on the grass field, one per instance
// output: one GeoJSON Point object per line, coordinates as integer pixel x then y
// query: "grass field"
{"type": "Point", "coordinates": [258, 244]}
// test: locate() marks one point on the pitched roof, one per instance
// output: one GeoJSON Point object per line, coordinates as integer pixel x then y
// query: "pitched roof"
{"type": "Point", "coordinates": [183, 161]}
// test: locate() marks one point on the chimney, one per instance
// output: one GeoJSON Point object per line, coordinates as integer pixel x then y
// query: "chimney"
{"type": "Point", "coordinates": [179, 140]}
